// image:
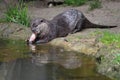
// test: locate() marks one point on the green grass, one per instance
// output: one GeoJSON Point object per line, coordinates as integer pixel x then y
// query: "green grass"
{"type": "Point", "coordinates": [117, 59]}
{"type": "Point", "coordinates": [17, 14]}
{"type": "Point", "coordinates": [116, 54]}
{"type": "Point", "coordinates": [75, 2]}
{"type": "Point", "coordinates": [109, 38]}
{"type": "Point", "coordinates": [95, 4]}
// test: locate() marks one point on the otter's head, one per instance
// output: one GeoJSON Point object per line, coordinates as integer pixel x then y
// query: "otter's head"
{"type": "Point", "coordinates": [39, 26]}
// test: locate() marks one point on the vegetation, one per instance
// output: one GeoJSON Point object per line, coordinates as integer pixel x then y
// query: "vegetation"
{"type": "Point", "coordinates": [109, 38]}
{"type": "Point", "coordinates": [117, 59]}
{"type": "Point", "coordinates": [95, 4]}
{"type": "Point", "coordinates": [75, 2]}
{"type": "Point", "coordinates": [17, 14]}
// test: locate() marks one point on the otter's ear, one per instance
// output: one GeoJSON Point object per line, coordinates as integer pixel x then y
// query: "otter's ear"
{"type": "Point", "coordinates": [42, 20]}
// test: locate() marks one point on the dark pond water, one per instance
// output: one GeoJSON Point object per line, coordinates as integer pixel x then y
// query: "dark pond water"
{"type": "Point", "coordinates": [18, 62]}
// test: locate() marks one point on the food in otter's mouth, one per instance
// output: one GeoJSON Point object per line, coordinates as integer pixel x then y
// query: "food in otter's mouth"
{"type": "Point", "coordinates": [32, 38]}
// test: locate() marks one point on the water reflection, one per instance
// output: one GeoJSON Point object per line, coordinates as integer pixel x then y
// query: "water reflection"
{"type": "Point", "coordinates": [47, 62]}
{"type": "Point", "coordinates": [49, 54]}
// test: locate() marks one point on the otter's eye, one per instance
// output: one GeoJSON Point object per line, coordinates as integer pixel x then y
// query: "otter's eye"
{"type": "Point", "coordinates": [41, 21]}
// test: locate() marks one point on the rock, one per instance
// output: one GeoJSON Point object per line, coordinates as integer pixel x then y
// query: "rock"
{"type": "Point", "coordinates": [86, 46]}
{"type": "Point", "coordinates": [107, 65]}
{"type": "Point", "coordinates": [14, 31]}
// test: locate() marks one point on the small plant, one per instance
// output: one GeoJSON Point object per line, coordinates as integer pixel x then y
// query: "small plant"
{"type": "Point", "coordinates": [17, 14]}
{"type": "Point", "coordinates": [117, 58]}
{"type": "Point", "coordinates": [75, 2]}
{"type": "Point", "coordinates": [111, 38]}
{"type": "Point", "coordinates": [95, 4]}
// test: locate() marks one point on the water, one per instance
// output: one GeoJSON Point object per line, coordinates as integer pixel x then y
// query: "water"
{"type": "Point", "coordinates": [18, 62]}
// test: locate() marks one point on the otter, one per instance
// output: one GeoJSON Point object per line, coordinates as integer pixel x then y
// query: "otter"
{"type": "Point", "coordinates": [70, 21]}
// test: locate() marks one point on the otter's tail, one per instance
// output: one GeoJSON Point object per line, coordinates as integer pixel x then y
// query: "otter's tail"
{"type": "Point", "coordinates": [101, 26]}
{"type": "Point", "coordinates": [88, 24]}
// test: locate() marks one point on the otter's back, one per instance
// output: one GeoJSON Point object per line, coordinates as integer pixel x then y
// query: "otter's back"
{"type": "Point", "coordinates": [69, 18]}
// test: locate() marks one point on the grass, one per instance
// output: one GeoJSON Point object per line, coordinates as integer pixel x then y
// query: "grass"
{"type": "Point", "coordinates": [109, 38]}
{"type": "Point", "coordinates": [95, 4]}
{"type": "Point", "coordinates": [75, 2]}
{"type": "Point", "coordinates": [17, 14]}
{"type": "Point", "coordinates": [116, 54]}
{"type": "Point", "coordinates": [117, 59]}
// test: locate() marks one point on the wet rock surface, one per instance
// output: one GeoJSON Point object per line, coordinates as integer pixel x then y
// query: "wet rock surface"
{"type": "Point", "coordinates": [14, 31]}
